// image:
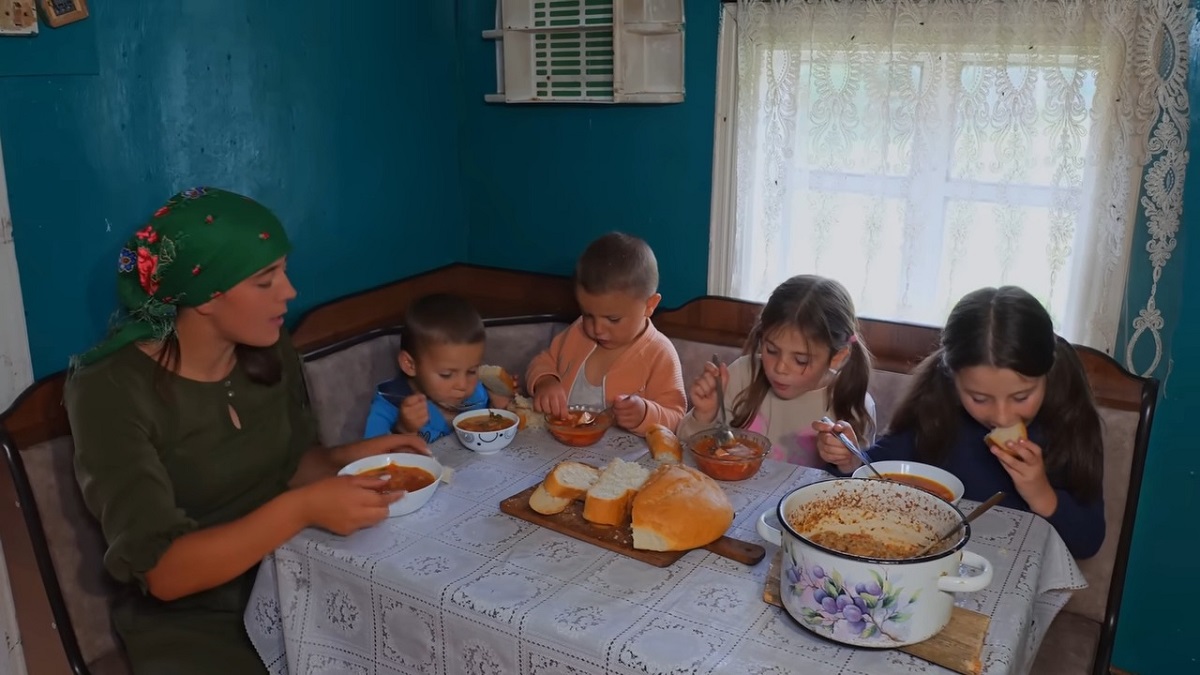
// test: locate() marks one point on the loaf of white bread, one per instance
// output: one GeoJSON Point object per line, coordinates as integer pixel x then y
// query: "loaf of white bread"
{"type": "Point", "coordinates": [664, 444]}
{"type": "Point", "coordinates": [679, 508]}
{"type": "Point", "coordinates": [675, 508]}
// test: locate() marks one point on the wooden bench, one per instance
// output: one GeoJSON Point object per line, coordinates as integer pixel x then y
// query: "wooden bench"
{"type": "Point", "coordinates": [53, 547]}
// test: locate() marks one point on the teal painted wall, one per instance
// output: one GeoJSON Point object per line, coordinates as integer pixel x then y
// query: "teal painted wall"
{"type": "Point", "coordinates": [544, 180]}
{"type": "Point", "coordinates": [320, 114]}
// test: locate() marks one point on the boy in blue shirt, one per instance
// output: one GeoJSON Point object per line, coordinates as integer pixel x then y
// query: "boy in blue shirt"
{"type": "Point", "coordinates": [441, 350]}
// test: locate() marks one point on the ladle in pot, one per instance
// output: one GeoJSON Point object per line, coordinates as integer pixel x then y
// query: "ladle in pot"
{"type": "Point", "coordinates": [991, 501]}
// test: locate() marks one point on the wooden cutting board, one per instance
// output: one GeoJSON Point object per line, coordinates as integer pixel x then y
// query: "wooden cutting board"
{"type": "Point", "coordinates": [620, 539]}
{"type": "Point", "coordinates": [958, 647]}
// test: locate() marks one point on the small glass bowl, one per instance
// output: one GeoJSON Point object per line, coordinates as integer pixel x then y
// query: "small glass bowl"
{"type": "Point", "coordinates": [570, 432]}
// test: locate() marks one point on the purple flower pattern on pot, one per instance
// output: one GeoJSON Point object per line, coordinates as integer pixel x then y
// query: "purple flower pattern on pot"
{"type": "Point", "coordinates": [874, 609]}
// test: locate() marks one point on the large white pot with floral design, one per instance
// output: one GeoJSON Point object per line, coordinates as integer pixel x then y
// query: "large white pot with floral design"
{"type": "Point", "coordinates": [848, 573]}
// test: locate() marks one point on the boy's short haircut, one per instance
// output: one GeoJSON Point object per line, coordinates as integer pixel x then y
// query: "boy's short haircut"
{"type": "Point", "coordinates": [440, 319]}
{"type": "Point", "coordinates": [618, 263]}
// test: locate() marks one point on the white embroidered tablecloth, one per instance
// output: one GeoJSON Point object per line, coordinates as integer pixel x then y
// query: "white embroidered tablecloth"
{"type": "Point", "coordinates": [459, 587]}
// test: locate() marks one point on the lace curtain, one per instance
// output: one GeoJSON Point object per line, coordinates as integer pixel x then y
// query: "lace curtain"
{"type": "Point", "coordinates": [916, 150]}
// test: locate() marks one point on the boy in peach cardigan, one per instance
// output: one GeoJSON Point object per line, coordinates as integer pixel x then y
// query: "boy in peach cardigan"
{"type": "Point", "coordinates": [612, 354]}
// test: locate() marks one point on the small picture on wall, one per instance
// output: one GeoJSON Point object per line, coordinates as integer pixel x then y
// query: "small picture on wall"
{"type": "Point", "coordinates": [62, 12]}
{"type": "Point", "coordinates": [17, 17]}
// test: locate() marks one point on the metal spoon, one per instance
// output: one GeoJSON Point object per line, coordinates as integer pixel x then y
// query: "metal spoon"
{"type": "Point", "coordinates": [723, 435]}
{"type": "Point", "coordinates": [979, 510]}
{"type": "Point", "coordinates": [862, 456]}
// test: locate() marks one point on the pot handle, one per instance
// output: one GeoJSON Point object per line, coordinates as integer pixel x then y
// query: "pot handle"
{"type": "Point", "coordinates": [769, 532]}
{"type": "Point", "coordinates": [968, 584]}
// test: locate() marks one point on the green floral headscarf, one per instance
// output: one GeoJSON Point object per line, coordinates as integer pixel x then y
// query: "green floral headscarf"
{"type": "Point", "coordinates": [201, 243]}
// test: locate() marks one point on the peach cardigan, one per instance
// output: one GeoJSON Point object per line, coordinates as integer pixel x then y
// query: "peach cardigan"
{"type": "Point", "coordinates": [649, 367]}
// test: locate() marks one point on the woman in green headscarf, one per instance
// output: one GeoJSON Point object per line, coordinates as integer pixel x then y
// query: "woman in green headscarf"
{"type": "Point", "coordinates": [194, 444]}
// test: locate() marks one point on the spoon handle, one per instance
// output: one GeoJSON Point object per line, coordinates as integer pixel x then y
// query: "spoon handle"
{"type": "Point", "coordinates": [854, 449]}
{"type": "Point", "coordinates": [724, 423]}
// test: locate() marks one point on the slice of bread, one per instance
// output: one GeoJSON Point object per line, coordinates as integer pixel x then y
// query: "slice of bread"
{"type": "Point", "coordinates": [664, 445]}
{"type": "Point", "coordinates": [497, 380]}
{"type": "Point", "coordinates": [608, 501]}
{"type": "Point", "coordinates": [1001, 435]}
{"type": "Point", "coordinates": [564, 484]}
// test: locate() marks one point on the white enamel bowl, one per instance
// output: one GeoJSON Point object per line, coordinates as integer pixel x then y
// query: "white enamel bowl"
{"type": "Point", "coordinates": [413, 500]}
{"type": "Point", "coordinates": [927, 471]}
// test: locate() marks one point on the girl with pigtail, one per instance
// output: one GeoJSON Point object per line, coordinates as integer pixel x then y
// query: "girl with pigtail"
{"type": "Point", "coordinates": [803, 360]}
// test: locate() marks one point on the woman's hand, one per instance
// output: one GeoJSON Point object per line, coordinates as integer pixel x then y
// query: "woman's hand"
{"type": "Point", "coordinates": [704, 392]}
{"type": "Point", "coordinates": [414, 413]}
{"type": "Point", "coordinates": [831, 449]}
{"type": "Point", "coordinates": [629, 410]}
{"type": "Point", "coordinates": [1022, 459]}
{"type": "Point", "coordinates": [346, 504]}
{"type": "Point", "coordinates": [550, 397]}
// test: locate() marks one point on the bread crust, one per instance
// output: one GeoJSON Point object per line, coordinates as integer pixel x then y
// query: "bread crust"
{"type": "Point", "coordinates": [497, 380]}
{"type": "Point", "coordinates": [678, 509]}
{"type": "Point", "coordinates": [664, 445]}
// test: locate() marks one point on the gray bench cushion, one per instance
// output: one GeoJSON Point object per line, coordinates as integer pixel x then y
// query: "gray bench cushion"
{"type": "Point", "coordinates": [77, 549]}
{"type": "Point", "coordinates": [342, 384]}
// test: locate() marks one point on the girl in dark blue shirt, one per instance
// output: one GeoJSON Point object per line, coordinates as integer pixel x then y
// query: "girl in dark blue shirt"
{"type": "Point", "coordinates": [1000, 363]}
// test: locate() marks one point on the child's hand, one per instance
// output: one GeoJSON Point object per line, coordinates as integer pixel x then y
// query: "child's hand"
{"type": "Point", "coordinates": [414, 413]}
{"type": "Point", "coordinates": [629, 410]}
{"type": "Point", "coordinates": [500, 402]}
{"type": "Point", "coordinates": [831, 449]}
{"type": "Point", "coordinates": [704, 392]}
{"type": "Point", "coordinates": [550, 398]}
{"type": "Point", "coordinates": [1022, 459]}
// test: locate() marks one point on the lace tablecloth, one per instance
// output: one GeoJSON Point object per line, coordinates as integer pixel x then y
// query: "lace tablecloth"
{"type": "Point", "coordinates": [459, 587]}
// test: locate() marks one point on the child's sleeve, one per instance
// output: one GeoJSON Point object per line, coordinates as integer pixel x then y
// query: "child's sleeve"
{"type": "Point", "coordinates": [545, 364]}
{"type": "Point", "coordinates": [1081, 525]}
{"type": "Point", "coordinates": [664, 394]}
{"type": "Point", "coordinates": [381, 418]}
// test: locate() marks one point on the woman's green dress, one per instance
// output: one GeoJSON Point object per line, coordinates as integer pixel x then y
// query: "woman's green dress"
{"type": "Point", "coordinates": [158, 456]}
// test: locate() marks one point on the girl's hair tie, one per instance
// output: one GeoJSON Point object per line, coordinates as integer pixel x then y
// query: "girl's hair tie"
{"type": "Point", "coordinates": [853, 339]}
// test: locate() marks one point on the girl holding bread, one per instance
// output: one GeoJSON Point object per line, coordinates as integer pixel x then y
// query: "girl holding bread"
{"type": "Point", "coordinates": [1003, 404]}
{"type": "Point", "coordinates": [803, 360]}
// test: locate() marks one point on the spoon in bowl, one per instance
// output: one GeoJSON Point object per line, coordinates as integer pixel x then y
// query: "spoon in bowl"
{"type": "Point", "coordinates": [854, 449]}
{"type": "Point", "coordinates": [979, 510]}
{"type": "Point", "coordinates": [723, 435]}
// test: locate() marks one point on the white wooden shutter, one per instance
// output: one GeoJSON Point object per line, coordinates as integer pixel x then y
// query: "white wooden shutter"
{"type": "Point", "coordinates": [588, 51]}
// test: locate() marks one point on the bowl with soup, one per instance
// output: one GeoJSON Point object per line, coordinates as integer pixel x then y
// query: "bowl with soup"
{"type": "Point", "coordinates": [417, 475]}
{"type": "Point", "coordinates": [925, 476]}
{"type": "Point", "coordinates": [851, 571]}
{"type": "Point", "coordinates": [486, 431]}
{"type": "Point", "coordinates": [582, 426]}
{"type": "Point", "coordinates": [737, 460]}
